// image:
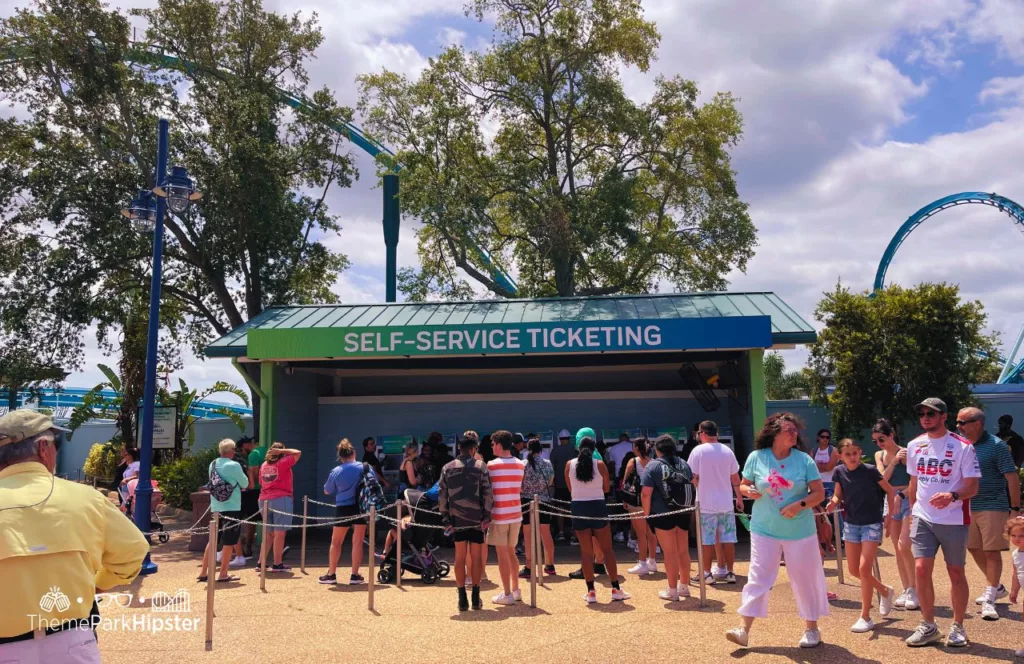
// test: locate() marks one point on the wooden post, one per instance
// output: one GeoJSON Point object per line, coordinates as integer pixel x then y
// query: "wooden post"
{"type": "Point", "coordinates": [211, 581]}
{"type": "Point", "coordinates": [839, 548]}
{"type": "Point", "coordinates": [373, 533]}
{"type": "Point", "coordinates": [263, 547]}
{"type": "Point", "coordinates": [305, 515]}
{"type": "Point", "coordinates": [398, 543]}
{"type": "Point", "coordinates": [700, 559]}
{"type": "Point", "coordinates": [538, 555]}
{"type": "Point", "coordinates": [534, 537]}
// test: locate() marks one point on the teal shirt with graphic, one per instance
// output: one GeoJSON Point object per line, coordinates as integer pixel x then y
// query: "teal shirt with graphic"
{"type": "Point", "coordinates": [231, 472]}
{"type": "Point", "coordinates": [780, 483]}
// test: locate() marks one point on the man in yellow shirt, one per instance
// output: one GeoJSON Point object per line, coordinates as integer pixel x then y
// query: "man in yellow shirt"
{"type": "Point", "coordinates": [59, 542]}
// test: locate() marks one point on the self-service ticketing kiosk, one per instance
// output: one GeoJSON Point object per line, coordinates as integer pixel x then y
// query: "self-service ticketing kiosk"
{"type": "Point", "coordinates": [547, 440]}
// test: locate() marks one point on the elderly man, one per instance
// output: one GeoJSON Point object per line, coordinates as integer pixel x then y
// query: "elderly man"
{"type": "Point", "coordinates": [990, 508]}
{"type": "Point", "coordinates": [59, 542]}
{"type": "Point", "coordinates": [228, 471]}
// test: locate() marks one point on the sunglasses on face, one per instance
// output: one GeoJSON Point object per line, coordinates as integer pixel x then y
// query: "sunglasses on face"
{"type": "Point", "coordinates": [824, 437]}
{"type": "Point", "coordinates": [878, 441]}
{"type": "Point", "coordinates": [923, 414]}
{"type": "Point", "coordinates": [960, 423]}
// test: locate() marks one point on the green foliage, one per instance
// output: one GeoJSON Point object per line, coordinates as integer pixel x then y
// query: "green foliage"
{"type": "Point", "coordinates": [780, 384]}
{"type": "Point", "coordinates": [67, 256]}
{"type": "Point", "coordinates": [179, 478]}
{"type": "Point", "coordinates": [886, 353]}
{"type": "Point", "coordinates": [532, 150]}
{"type": "Point", "coordinates": [103, 459]}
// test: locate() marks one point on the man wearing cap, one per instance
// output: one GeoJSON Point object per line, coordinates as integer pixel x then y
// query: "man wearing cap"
{"type": "Point", "coordinates": [250, 502]}
{"type": "Point", "coordinates": [997, 500]}
{"type": "Point", "coordinates": [944, 474]}
{"type": "Point", "coordinates": [562, 454]}
{"type": "Point", "coordinates": [59, 542]}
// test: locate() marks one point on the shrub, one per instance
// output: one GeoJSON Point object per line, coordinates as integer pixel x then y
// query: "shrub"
{"type": "Point", "coordinates": [179, 478]}
{"type": "Point", "coordinates": [102, 460]}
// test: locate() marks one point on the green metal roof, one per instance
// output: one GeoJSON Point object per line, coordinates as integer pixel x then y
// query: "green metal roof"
{"type": "Point", "coordinates": [787, 326]}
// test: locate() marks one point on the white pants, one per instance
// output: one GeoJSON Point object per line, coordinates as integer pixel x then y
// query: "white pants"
{"type": "Point", "coordinates": [808, 584]}
{"type": "Point", "coordinates": [72, 646]}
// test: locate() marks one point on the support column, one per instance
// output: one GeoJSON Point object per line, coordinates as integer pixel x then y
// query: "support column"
{"type": "Point", "coordinates": [392, 221]}
{"type": "Point", "coordinates": [267, 430]}
{"type": "Point", "coordinates": [758, 407]}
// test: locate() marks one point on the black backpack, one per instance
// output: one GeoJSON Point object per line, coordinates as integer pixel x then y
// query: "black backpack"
{"type": "Point", "coordinates": [677, 488]}
{"type": "Point", "coordinates": [218, 487]}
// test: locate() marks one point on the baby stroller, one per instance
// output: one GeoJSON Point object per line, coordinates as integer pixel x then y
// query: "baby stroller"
{"type": "Point", "coordinates": [418, 554]}
{"type": "Point", "coordinates": [155, 523]}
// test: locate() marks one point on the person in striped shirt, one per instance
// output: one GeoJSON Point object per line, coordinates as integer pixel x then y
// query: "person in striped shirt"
{"type": "Point", "coordinates": [506, 473]}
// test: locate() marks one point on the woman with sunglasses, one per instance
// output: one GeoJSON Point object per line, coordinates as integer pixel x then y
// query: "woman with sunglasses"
{"type": "Point", "coordinates": [785, 485]}
{"type": "Point", "coordinates": [891, 461]}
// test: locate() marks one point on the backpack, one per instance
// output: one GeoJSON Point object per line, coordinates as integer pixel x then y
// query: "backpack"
{"type": "Point", "coordinates": [370, 492]}
{"type": "Point", "coordinates": [632, 487]}
{"type": "Point", "coordinates": [218, 487]}
{"type": "Point", "coordinates": [677, 489]}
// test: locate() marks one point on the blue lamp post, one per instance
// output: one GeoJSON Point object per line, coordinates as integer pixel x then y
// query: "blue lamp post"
{"type": "Point", "coordinates": [147, 214]}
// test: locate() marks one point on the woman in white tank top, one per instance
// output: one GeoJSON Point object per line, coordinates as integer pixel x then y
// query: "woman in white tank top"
{"type": "Point", "coordinates": [588, 482]}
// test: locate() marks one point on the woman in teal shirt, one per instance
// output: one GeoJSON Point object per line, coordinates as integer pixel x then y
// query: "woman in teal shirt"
{"type": "Point", "coordinates": [785, 485]}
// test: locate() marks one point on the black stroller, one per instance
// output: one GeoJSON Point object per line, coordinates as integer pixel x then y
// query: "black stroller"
{"type": "Point", "coordinates": [418, 556]}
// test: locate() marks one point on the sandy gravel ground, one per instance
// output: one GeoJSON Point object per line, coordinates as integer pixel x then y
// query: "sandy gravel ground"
{"type": "Point", "coordinates": [298, 620]}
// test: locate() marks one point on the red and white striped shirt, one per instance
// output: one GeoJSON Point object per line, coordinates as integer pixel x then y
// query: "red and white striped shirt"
{"type": "Point", "coordinates": [506, 483]}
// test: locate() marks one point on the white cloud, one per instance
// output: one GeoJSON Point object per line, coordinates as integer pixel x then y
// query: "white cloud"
{"type": "Point", "coordinates": [1003, 89]}
{"type": "Point", "coordinates": [1001, 21]}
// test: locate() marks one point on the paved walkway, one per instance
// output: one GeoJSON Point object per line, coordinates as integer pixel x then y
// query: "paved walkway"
{"type": "Point", "coordinates": [298, 620]}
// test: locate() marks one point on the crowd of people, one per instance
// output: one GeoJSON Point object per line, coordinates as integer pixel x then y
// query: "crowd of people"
{"type": "Point", "coordinates": [951, 491]}
{"type": "Point", "coordinates": [955, 492]}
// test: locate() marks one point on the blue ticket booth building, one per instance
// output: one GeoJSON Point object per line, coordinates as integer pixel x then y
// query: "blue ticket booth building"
{"type": "Point", "coordinates": [650, 363]}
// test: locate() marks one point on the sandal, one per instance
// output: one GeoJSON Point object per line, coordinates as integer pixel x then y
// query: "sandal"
{"type": "Point", "coordinates": [202, 579]}
{"type": "Point", "coordinates": [228, 579]}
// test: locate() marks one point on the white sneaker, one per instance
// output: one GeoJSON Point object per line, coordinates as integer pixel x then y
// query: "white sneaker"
{"type": "Point", "coordinates": [632, 545]}
{"type": "Point", "coordinates": [669, 595]}
{"type": "Point", "coordinates": [810, 639]}
{"type": "Point", "coordinates": [657, 549]}
{"type": "Point", "coordinates": [990, 596]}
{"type": "Point", "coordinates": [639, 568]}
{"type": "Point", "coordinates": [718, 572]}
{"type": "Point", "coordinates": [911, 603]}
{"type": "Point", "coordinates": [859, 627]}
{"type": "Point", "coordinates": [652, 566]}
{"type": "Point", "coordinates": [901, 600]}
{"type": "Point", "coordinates": [503, 599]}
{"type": "Point", "coordinates": [683, 590]}
{"type": "Point", "coordinates": [517, 595]}
{"type": "Point", "coordinates": [237, 561]}
{"type": "Point", "coordinates": [619, 595]}
{"type": "Point", "coordinates": [590, 597]}
{"type": "Point", "coordinates": [739, 636]}
{"type": "Point", "coordinates": [886, 601]}
{"type": "Point", "coordinates": [620, 537]}
{"type": "Point", "coordinates": [988, 611]}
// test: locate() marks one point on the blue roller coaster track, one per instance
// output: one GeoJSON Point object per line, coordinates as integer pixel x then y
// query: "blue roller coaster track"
{"type": "Point", "coordinates": [1012, 373]}
{"type": "Point", "coordinates": [63, 401]}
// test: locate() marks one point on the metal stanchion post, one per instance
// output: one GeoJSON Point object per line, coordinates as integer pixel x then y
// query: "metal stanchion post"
{"type": "Point", "coordinates": [263, 547]}
{"type": "Point", "coordinates": [211, 582]}
{"type": "Point", "coordinates": [700, 558]}
{"type": "Point", "coordinates": [398, 543]}
{"type": "Point", "coordinates": [538, 556]}
{"type": "Point", "coordinates": [878, 575]}
{"type": "Point", "coordinates": [305, 515]}
{"type": "Point", "coordinates": [373, 574]}
{"type": "Point", "coordinates": [534, 537]}
{"type": "Point", "coordinates": [839, 548]}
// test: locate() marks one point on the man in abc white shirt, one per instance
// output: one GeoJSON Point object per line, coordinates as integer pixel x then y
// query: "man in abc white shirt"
{"type": "Point", "coordinates": [944, 476]}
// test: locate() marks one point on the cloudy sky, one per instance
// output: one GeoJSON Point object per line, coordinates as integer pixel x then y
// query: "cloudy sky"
{"type": "Point", "coordinates": [857, 113]}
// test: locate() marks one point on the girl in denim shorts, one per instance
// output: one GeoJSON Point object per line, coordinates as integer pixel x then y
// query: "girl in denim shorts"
{"type": "Point", "coordinates": [863, 493]}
